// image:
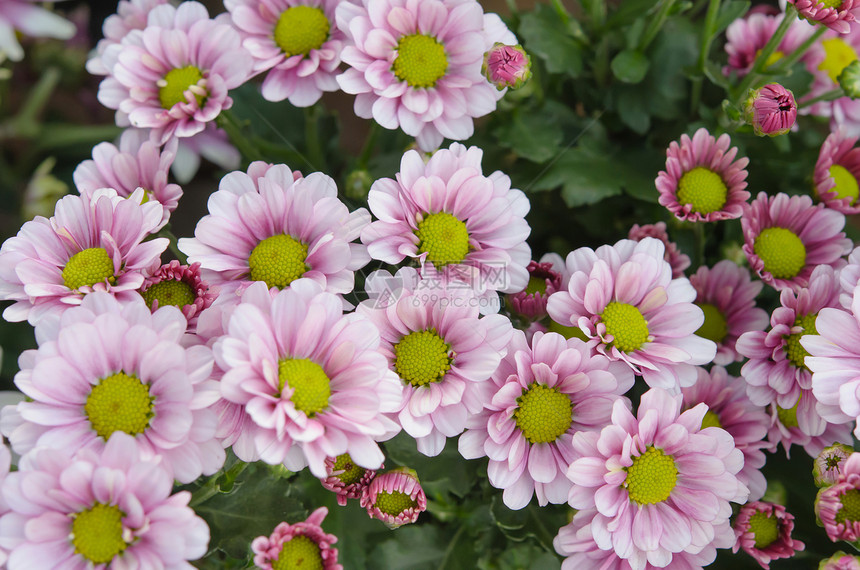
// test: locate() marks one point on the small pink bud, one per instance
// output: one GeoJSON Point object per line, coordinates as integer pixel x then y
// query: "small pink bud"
{"type": "Point", "coordinates": [507, 66]}
{"type": "Point", "coordinates": [771, 110]}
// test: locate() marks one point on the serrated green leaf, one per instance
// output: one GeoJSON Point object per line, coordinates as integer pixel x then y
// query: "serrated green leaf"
{"type": "Point", "coordinates": [533, 135]}
{"type": "Point", "coordinates": [552, 40]}
{"type": "Point", "coordinates": [630, 66]}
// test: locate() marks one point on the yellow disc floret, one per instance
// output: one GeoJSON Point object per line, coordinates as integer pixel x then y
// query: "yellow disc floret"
{"type": "Point", "coordinates": [764, 528]}
{"type": "Point", "coordinates": [394, 503]}
{"type": "Point", "coordinates": [846, 183]}
{"type": "Point", "coordinates": [301, 29]}
{"type": "Point", "coordinates": [422, 357]}
{"type": "Point", "coordinates": [119, 402]}
{"type": "Point", "coordinates": [711, 420]}
{"type": "Point", "coordinates": [837, 55]}
{"type": "Point", "coordinates": [781, 251]}
{"type": "Point", "coordinates": [850, 510]}
{"type": "Point", "coordinates": [278, 260]}
{"type": "Point", "coordinates": [174, 85]}
{"type": "Point", "coordinates": [793, 349]}
{"type": "Point", "coordinates": [652, 477]}
{"type": "Point", "coordinates": [443, 238]}
{"type": "Point", "coordinates": [300, 553]}
{"type": "Point", "coordinates": [543, 413]}
{"type": "Point", "coordinates": [352, 473]}
{"type": "Point", "coordinates": [626, 324]}
{"type": "Point", "coordinates": [311, 387]}
{"type": "Point", "coordinates": [97, 533]}
{"type": "Point", "coordinates": [421, 60]}
{"type": "Point", "coordinates": [88, 267]}
{"type": "Point", "coordinates": [172, 292]}
{"type": "Point", "coordinates": [788, 417]}
{"type": "Point", "coordinates": [714, 328]}
{"type": "Point", "coordinates": [703, 189]}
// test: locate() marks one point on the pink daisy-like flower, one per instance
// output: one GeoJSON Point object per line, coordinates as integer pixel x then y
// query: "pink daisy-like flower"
{"type": "Point", "coordinates": [786, 237]}
{"type": "Point", "coordinates": [123, 370]}
{"type": "Point", "coordinates": [470, 227]}
{"type": "Point", "coordinates": [673, 255]}
{"type": "Point", "coordinates": [311, 379]}
{"type": "Point", "coordinates": [838, 16]}
{"type": "Point", "coordinates": [840, 561]}
{"type": "Point", "coordinates": [763, 531]}
{"type": "Point", "coordinates": [295, 41]}
{"type": "Point", "coordinates": [107, 509]}
{"type": "Point", "coordinates": [623, 298]}
{"type": "Point", "coordinates": [130, 15]}
{"type": "Point", "coordinates": [661, 483]}
{"type": "Point", "coordinates": [849, 278]}
{"type": "Point", "coordinates": [745, 38]}
{"type": "Point", "coordinates": [417, 65]}
{"type": "Point", "coordinates": [726, 295]}
{"type": "Point", "coordinates": [396, 498]}
{"type": "Point", "coordinates": [838, 506]}
{"type": "Point", "coordinates": [703, 182]}
{"type": "Point", "coordinates": [836, 173]}
{"type": "Point", "coordinates": [173, 76]}
{"type": "Point", "coordinates": [830, 464]}
{"type": "Point", "coordinates": [345, 478]}
{"type": "Point", "coordinates": [301, 545]}
{"type": "Point", "coordinates": [137, 163]}
{"type": "Point", "coordinates": [730, 409]}
{"type": "Point", "coordinates": [22, 16]}
{"type": "Point", "coordinates": [771, 110]}
{"type": "Point", "coordinates": [94, 242]}
{"type": "Point", "coordinates": [434, 340]}
{"type": "Point", "coordinates": [538, 398]}
{"type": "Point", "coordinates": [181, 286]}
{"type": "Point", "coordinates": [543, 282]}
{"type": "Point", "coordinates": [268, 225]}
{"type": "Point", "coordinates": [803, 425]}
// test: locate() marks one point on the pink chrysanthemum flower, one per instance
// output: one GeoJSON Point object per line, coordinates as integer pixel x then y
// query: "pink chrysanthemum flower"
{"type": "Point", "coordinates": [507, 66]}
{"type": "Point", "coordinates": [726, 295]}
{"type": "Point", "coordinates": [673, 255]}
{"type": "Point", "coordinates": [268, 225]}
{"type": "Point", "coordinates": [703, 182]}
{"type": "Point", "coordinates": [623, 298]}
{"type": "Point", "coordinates": [776, 370]}
{"type": "Point", "coordinates": [130, 15]}
{"type": "Point", "coordinates": [173, 76]}
{"type": "Point", "coordinates": [837, 172]}
{"type": "Point", "coordinates": [311, 379]}
{"type": "Point", "coordinates": [771, 110]}
{"type": "Point", "coordinates": [849, 278]}
{"type": "Point", "coordinates": [837, 15]}
{"type": "Point", "coordinates": [470, 227]}
{"type": "Point", "coordinates": [442, 352]}
{"type": "Point", "coordinates": [137, 163]}
{"type": "Point", "coordinates": [396, 498]}
{"type": "Point", "coordinates": [745, 38]}
{"type": "Point", "coordinates": [730, 409]}
{"type": "Point", "coordinates": [301, 545]}
{"type": "Point", "coordinates": [106, 509]}
{"type": "Point", "coordinates": [786, 237]}
{"type": "Point", "coordinates": [830, 464]}
{"type": "Point", "coordinates": [345, 478]}
{"type": "Point", "coordinates": [181, 286]}
{"type": "Point", "coordinates": [763, 531]}
{"type": "Point", "coordinates": [543, 282]}
{"type": "Point", "coordinates": [296, 41]}
{"type": "Point", "coordinates": [838, 52]}
{"type": "Point", "coordinates": [794, 426]}
{"type": "Point", "coordinates": [417, 66]}
{"type": "Point", "coordinates": [22, 16]}
{"type": "Point", "coordinates": [123, 370]}
{"type": "Point", "coordinates": [838, 506]}
{"type": "Point", "coordinates": [840, 561]}
{"type": "Point", "coordinates": [661, 483]}
{"type": "Point", "coordinates": [537, 399]}
{"type": "Point", "coordinates": [94, 242]}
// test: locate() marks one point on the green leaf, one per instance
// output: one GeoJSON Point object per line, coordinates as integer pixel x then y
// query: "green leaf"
{"type": "Point", "coordinates": [534, 135]}
{"type": "Point", "coordinates": [410, 548]}
{"type": "Point", "coordinates": [629, 11]}
{"type": "Point", "coordinates": [729, 12]}
{"type": "Point", "coordinates": [585, 178]}
{"type": "Point", "coordinates": [633, 108]}
{"type": "Point", "coordinates": [630, 66]}
{"type": "Point", "coordinates": [552, 40]}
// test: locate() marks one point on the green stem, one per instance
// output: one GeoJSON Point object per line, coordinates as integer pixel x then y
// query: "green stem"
{"type": "Point", "coordinates": [596, 10]}
{"type": "Point", "coordinates": [828, 96]}
{"type": "Point", "coordinates": [543, 534]}
{"type": "Point", "coordinates": [26, 122]}
{"type": "Point", "coordinates": [655, 25]}
{"type": "Point", "coordinates": [704, 49]}
{"type": "Point", "coordinates": [561, 10]}
{"type": "Point", "coordinates": [450, 548]}
{"type": "Point", "coordinates": [699, 234]}
{"type": "Point", "coordinates": [785, 63]}
{"type": "Point", "coordinates": [172, 244]}
{"type": "Point", "coordinates": [312, 138]}
{"type": "Point", "coordinates": [212, 486]}
{"type": "Point", "coordinates": [369, 146]}
{"type": "Point", "coordinates": [601, 62]}
{"type": "Point", "coordinates": [53, 136]}
{"type": "Point", "coordinates": [227, 121]}
{"type": "Point", "coordinates": [760, 61]}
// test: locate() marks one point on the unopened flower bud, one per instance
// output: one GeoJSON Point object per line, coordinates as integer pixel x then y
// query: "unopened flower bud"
{"type": "Point", "coordinates": [840, 561]}
{"type": "Point", "coordinates": [358, 184]}
{"type": "Point", "coordinates": [828, 465]}
{"type": "Point", "coordinates": [396, 497]}
{"type": "Point", "coordinates": [849, 79]}
{"type": "Point", "coordinates": [771, 110]}
{"type": "Point", "coordinates": [507, 66]}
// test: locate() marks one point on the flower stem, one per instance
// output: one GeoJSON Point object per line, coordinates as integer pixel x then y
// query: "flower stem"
{"type": "Point", "coordinates": [172, 244]}
{"type": "Point", "coordinates": [312, 138]}
{"type": "Point", "coordinates": [227, 121]}
{"type": "Point", "coordinates": [655, 25]}
{"type": "Point", "coordinates": [704, 48]}
{"type": "Point", "coordinates": [828, 96]}
{"type": "Point", "coordinates": [786, 62]}
{"type": "Point", "coordinates": [450, 548]}
{"type": "Point", "coordinates": [760, 61]}
{"type": "Point", "coordinates": [369, 146]}
{"type": "Point", "coordinates": [213, 485]}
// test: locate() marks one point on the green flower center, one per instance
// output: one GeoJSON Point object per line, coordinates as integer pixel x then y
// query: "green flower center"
{"type": "Point", "coordinates": [422, 357]}
{"type": "Point", "coordinates": [846, 183]}
{"type": "Point", "coordinates": [278, 260]}
{"type": "Point", "coordinates": [311, 387]}
{"type": "Point", "coordinates": [97, 533]}
{"type": "Point", "coordinates": [838, 54]}
{"type": "Point", "coordinates": [702, 189]}
{"type": "Point", "coordinates": [626, 324]}
{"type": "Point", "coordinates": [394, 503]}
{"type": "Point", "coordinates": [831, 3]}
{"type": "Point", "coordinates": [714, 328]}
{"type": "Point", "coordinates": [443, 238]}
{"type": "Point", "coordinates": [352, 473]}
{"type": "Point", "coordinates": [119, 402]}
{"type": "Point", "coordinates": [652, 477]}
{"type": "Point", "coordinates": [88, 267]}
{"type": "Point", "coordinates": [781, 251]}
{"type": "Point", "coordinates": [765, 528]}
{"type": "Point", "coordinates": [850, 510]}
{"type": "Point", "coordinates": [300, 553]}
{"type": "Point", "coordinates": [543, 413]}
{"type": "Point", "coordinates": [536, 285]}
{"type": "Point", "coordinates": [788, 417]}
{"type": "Point", "coordinates": [174, 85]}
{"type": "Point", "coordinates": [301, 29]}
{"type": "Point", "coordinates": [176, 293]}
{"type": "Point", "coordinates": [832, 461]}
{"type": "Point", "coordinates": [711, 420]}
{"type": "Point", "coordinates": [796, 353]}
{"type": "Point", "coordinates": [421, 60]}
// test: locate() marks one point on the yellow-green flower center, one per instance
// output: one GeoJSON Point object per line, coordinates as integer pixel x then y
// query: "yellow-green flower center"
{"type": "Point", "coordinates": [299, 553]}
{"type": "Point", "coordinates": [301, 29]}
{"type": "Point", "coordinates": [850, 510]}
{"type": "Point", "coordinates": [172, 292]}
{"type": "Point", "coordinates": [846, 183]}
{"type": "Point", "coordinates": [831, 3]}
{"type": "Point", "coordinates": [837, 55]}
{"type": "Point", "coordinates": [352, 473]}
{"type": "Point", "coordinates": [443, 238]}
{"type": "Point", "coordinates": [781, 251]}
{"type": "Point", "coordinates": [788, 417]}
{"type": "Point", "coordinates": [97, 533]}
{"type": "Point", "coordinates": [119, 402]}
{"type": "Point", "coordinates": [88, 267]}
{"type": "Point", "coordinates": [278, 260]}
{"type": "Point", "coordinates": [711, 420]}
{"type": "Point", "coordinates": [793, 349]}
{"type": "Point", "coordinates": [652, 477]}
{"type": "Point", "coordinates": [176, 83]}
{"type": "Point", "coordinates": [543, 413]}
{"type": "Point", "coordinates": [626, 324]}
{"type": "Point", "coordinates": [394, 503]}
{"type": "Point", "coordinates": [311, 387]}
{"type": "Point", "coordinates": [764, 528]}
{"type": "Point", "coordinates": [421, 60]}
{"type": "Point", "coordinates": [536, 285]}
{"type": "Point", "coordinates": [714, 328]}
{"type": "Point", "coordinates": [774, 57]}
{"type": "Point", "coordinates": [422, 357]}
{"type": "Point", "coordinates": [702, 189]}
